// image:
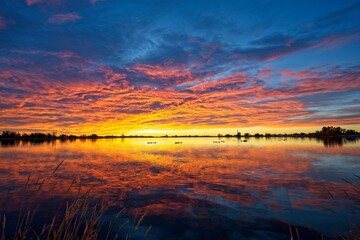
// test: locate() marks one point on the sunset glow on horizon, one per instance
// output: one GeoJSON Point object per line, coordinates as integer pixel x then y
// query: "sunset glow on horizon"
{"type": "Point", "coordinates": [178, 67]}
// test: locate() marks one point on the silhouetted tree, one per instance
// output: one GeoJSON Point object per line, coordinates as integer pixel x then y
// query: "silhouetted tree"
{"type": "Point", "coordinates": [351, 132]}
{"type": "Point", "coordinates": [10, 134]}
{"type": "Point", "coordinates": [93, 136]}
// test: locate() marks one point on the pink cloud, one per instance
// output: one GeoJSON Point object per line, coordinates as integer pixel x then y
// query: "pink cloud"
{"type": "Point", "coordinates": [329, 42]}
{"type": "Point", "coordinates": [300, 75]}
{"type": "Point", "coordinates": [167, 73]}
{"type": "Point", "coordinates": [64, 18]}
{"type": "Point", "coordinates": [265, 73]}
{"type": "Point", "coordinates": [161, 72]}
{"type": "Point", "coordinates": [32, 2]}
{"type": "Point", "coordinates": [4, 23]}
{"type": "Point", "coordinates": [61, 54]}
{"type": "Point", "coordinates": [95, 1]}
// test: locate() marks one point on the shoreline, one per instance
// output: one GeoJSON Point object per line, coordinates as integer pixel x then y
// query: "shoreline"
{"type": "Point", "coordinates": [186, 136]}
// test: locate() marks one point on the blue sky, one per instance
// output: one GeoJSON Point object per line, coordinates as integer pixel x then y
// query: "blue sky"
{"type": "Point", "coordinates": [171, 64]}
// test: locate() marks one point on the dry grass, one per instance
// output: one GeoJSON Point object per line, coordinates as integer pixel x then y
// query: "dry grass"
{"type": "Point", "coordinates": [81, 218]}
{"type": "Point", "coordinates": [354, 232]}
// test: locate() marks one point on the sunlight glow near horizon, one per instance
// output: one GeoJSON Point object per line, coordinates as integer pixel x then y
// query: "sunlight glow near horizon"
{"type": "Point", "coordinates": [189, 68]}
{"type": "Point", "coordinates": [232, 131]}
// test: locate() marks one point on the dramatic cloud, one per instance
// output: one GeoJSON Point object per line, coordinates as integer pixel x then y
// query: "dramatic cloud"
{"type": "Point", "coordinates": [110, 101]}
{"type": "Point", "coordinates": [126, 67]}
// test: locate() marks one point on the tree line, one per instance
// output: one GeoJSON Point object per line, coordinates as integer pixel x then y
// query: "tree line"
{"type": "Point", "coordinates": [41, 136]}
{"type": "Point", "coordinates": [324, 132]}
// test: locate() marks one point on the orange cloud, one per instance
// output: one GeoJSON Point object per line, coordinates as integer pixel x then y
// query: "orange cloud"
{"type": "Point", "coordinates": [97, 98]}
{"type": "Point", "coordinates": [168, 74]}
{"type": "Point", "coordinates": [162, 72]}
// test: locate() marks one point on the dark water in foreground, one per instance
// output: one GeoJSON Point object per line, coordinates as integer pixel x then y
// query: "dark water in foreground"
{"type": "Point", "coordinates": [199, 189]}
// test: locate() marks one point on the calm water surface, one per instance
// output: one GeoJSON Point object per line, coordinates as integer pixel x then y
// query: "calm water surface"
{"type": "Point", "coordinates": [199, 189]}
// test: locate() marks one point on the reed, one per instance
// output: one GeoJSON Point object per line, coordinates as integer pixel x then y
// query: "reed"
{"type": "Point", "coordinates": [80, 218]}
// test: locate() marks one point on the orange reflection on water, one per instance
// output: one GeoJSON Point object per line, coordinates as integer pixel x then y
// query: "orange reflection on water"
{"type": "Point", "coordinates": [259, 177]}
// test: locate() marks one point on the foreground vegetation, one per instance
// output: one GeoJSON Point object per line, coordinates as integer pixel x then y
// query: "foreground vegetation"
{"type": "Point", "coordinates": [83, 218]}
{"type": "Point", "coordinates": [80, 217]}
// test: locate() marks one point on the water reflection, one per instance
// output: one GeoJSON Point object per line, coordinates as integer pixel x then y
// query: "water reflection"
{"type": "Point", "coordinates": [17, 142]}
{"type": "Point", "coordinates": [338, 141]}
{"type": "Point", "coordinates": [327, 142]}
{"type": "Point", "coordinates": [9, 143]}
{"type": "Point", "coordinates": [199, 189]}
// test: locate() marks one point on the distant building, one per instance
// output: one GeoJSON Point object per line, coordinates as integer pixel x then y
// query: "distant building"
{"type": "Point", "coordinates": [238, 134]}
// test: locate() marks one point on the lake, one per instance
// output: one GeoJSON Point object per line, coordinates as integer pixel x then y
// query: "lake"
{"type": "Point", "coordinates": [197, 188]}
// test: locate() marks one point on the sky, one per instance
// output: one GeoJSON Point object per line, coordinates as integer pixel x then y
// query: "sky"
{"type": "Point", "coordinates": [179, 67]}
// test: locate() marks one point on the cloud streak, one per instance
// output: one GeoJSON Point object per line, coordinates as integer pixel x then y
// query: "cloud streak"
{"type": "Point", "coordinates": [62, 18]}
{"type": "Point", "coordinates": [49, 2]}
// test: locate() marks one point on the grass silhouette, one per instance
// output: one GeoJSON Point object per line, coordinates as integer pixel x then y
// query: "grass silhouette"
{"type": "Point", "coordinates": [79, 218]}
